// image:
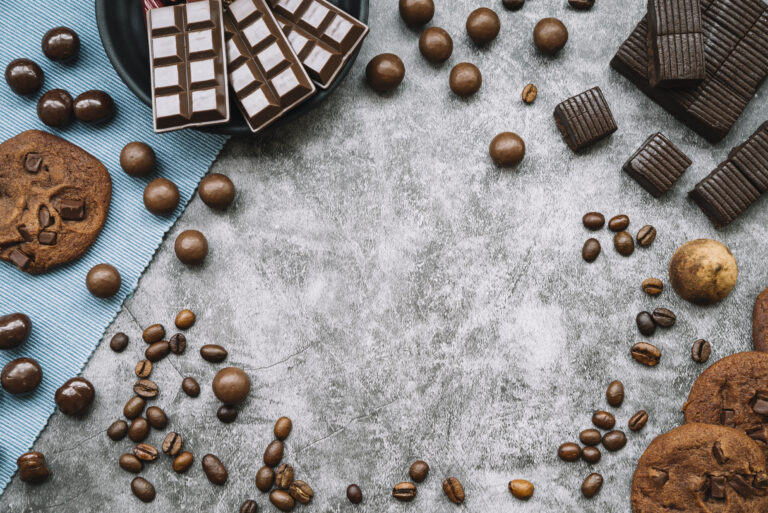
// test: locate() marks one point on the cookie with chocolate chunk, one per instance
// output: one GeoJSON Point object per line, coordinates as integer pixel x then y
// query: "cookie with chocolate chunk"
{"type": "Point", "coordinates": [54, 201]}
{"type": "Point", "coordinates": [760, 322]}
{"type": "Point", "coordinates": [733, 392]}
{"type": "Point", "coordinates": [701, 468]}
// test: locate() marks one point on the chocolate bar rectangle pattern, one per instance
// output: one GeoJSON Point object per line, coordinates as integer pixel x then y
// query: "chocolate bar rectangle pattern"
{"type": "Point", "coordinates": [736, 183]}
{"type": "Point", "coordinates": [736, 53]}
{"type": "Point", "coordinates": [657, 164]}
{"type": "Point", "coordinates": [584, 119]}
{"type": "Point", "coordinates": [675, 43]}
{"type": "Point", "coordinates": [189, 79]}
{"type": "Point", "coordinates": [323, 36]}
{"type": "Point", "coordinates": [266, 75]}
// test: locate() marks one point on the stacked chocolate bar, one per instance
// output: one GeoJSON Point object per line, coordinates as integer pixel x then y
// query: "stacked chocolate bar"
{"type": "Point", "coordinates": [271, 53]}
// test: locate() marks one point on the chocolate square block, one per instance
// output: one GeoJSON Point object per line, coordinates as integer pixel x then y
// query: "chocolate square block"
{"type": "Point", "coordinates": [675, 43]}
{"type": "Point", "coordinates": [584, 119]}
{"type": "Point", "coordinates": [657, 164]}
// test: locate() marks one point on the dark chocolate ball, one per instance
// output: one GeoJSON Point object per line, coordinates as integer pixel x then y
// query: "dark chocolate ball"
{"type": "Point", "coordinates": [161, 196]}
{"type": "Point", "coordinates": [24, 76]}
{"type": "Point", "coordinates": [231, 385]}
{"type": "Point", "coordinates": [416, 12]}
{"type": "Point", "coordinates": [465, 79]}
{"type": "Point", "coordinates": [94, 107]}
{"type": "Point", "coordinates": [513, 5]}
{"type": "Point", "coordinates": [103, 280]}
{"type": "Point", "coordinates": [61, 44]}
{"type": "Point", "coordinates": [14, 330]}
{"type": "Point", "coordinates": [385, 72]}
{"type": "Point", "coordinates": [137, 159]}
{"type": "Point", "coordinates": [550, 35]}
{"type": "Point", "coordinates": [217, 191]}
{"type": "Point", "coordinates": [507, 149]}
{"type": "Point", "coordinates": [191, 247]}
{"type": "Point", "coordinates": [435, 44]}
{"type": "Point", "coordinates": [55, 108]}
{"type": "Point", "coordinates": [483, 25]}
{"type": "Point", "coordinates": [21, 376]}
{"type": "Point", "coordinates": [75, 396]}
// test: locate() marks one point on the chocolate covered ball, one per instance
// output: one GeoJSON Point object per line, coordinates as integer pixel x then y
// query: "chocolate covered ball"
{"type": "Point", "coordinates": [435, 44]}
{"type": "Point", "coordinates": [465, 79]}
{"type": "Point", "coordinates": [75, 396]}
{"type": "Point", "coordinates": [61, 44]}
{"type": "Point", "coordinates": [55, 108]}
{"type": "Point", "coordinates": [94, 107]}
{"type": "Point", "coordinates": [14, 330]}
{"type": "Point", "coordinates": [513, 5]}
{"type": "Point", "coordinates": [507, 149]}
{"type": "Point", "coordinates": [103, 280]}
{"type": "Point", "coordinates": [24, 76]}
{"type": "Point", "coordinates": [191, 247]}
{"type": "Point", "coordinates": [483, 25]}
{"type": "Point", "coordinates": [416, 12]}
{"type": "Point", "coordinates": [231, 385]}
{"type": "Point", "coordinates": [137, 159]}
{"type": "Point", "coordinates": [385, 72]}
{"type": "Point", "coordinates": [550, 35]}
{"type": "Point", "coordinates": [21, 376]}
{"type": "Point", "coordinates": [161, 196]}
{"type": "Point", "coordinates": [217, 191]}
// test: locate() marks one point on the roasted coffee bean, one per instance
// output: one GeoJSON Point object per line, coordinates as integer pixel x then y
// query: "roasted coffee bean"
{"type": "Point", "coordinates": [119, 342]}
{"type": "Point", "coordinates": [354, 494]}
{"type": "Point", "coordinates": [130, 463]}
{"type": "Point", "coordinates": [154, 333]}
{"type": "Point", "coordinates": [183, 462]}
{"type": "Point", "coordinates": [645, 324]}
{"type": "Point", "coordinates": [614, 440]}
{"type": "Point", "coordinates": [419, 471]}
{"type": "Point", "coordinates": [593, 221]}
{"type": "Point", "coordinates": [282, 500]}
{"type": "Point", "coordinates": [591, 485]}
{"type": "Point", "coordinates": [156, 417]}
{"type": "Point", "coordinates": [177, 343]}
{"type": "Point", "coordinates": [646, 235]}
{"type": "Point", "coordinates": [185, 319]}
{"type": "Point", "coordinates": [618, 223]}
{"type": "Point", "coordinates": [32, 467]}
{"type": "Point", "coordinates": [569, 451]}
{"type": "Point", "coordinates": [14, 330]}
{"type": "Point", "coordinates": [214, 470]}
{"type": "Point", "coordinates": [143, 489]}
{"type": "Point", "coordinates": [190, 387]}
{"type": "Point", "coordinates": [172, 444]}
{"type": "Point", "coordinates": [614, 394]}
{"type": "Point", "coordinates": [637, 421]}
{"type": "Point", "coordinates": [521, 489]}
{"type": "Point", "coordinates": [603, 419]}
{"type": "Point", "coordinates": [249, 506]}
{"type": "Point", "coordinates": [117, 430]}
{"type": "Point", "coordinates": [94, 107]}
{"type": "Point", "coordinates": [213, 353]}
{"type": "Point", "coordinates": [591, 454]}
{"type": "Point", "coordinates": [283, 428]}
{"type": "Point", "coordinates": [284, 476]}
{"type": "Point", "coordinates": [453, 490]}
{"type": "Point", "coordinates": [664, 317]}
{"type": "Point", "coordinates": [581, 4]}
{"type": "Point", "coordinates": [653, 286]}
{"type": "Point", "coordinates": [133, 407]}
{"type": "Point", "coordinates": [624, 244]}
{"type": "Point", "coordinates": [138, 430]}
{"type": "Point", "coordinates": [529, 93]}
{"type": "Point", "coordinates": [226, 413]}
{"type": "Point", "coordinates": [646, 353]}
{"type": "Point", "coordinates": [146, 388]}
{"type": "Point", "coordinates": [273, 453]}
{"type": "Point", "coordinates": [590, 437]}
{"type": "Point", "coordinates": [265, 478]}
{"type": "Point", "coordinates": [700, 351]}
{"type": "Point", "coordinates": [157, 351]}
{"type": "Point", "coordinates": [404, 491]}
{"type": "Point", "coordinates": [145, 452]}
{"type": "Point", "coordinates": [143, 369]}
{"type": "Point", "coordinates": [591, 250]}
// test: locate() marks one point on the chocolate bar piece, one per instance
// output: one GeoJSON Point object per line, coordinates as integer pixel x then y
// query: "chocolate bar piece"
{"type": "Point", "coordinates": [736, 52]}
{"type": "Point", "coordinates": [267, 77]}
{"type": "Point", "coordinates": [187, 62]}
{"type": "Point", "coordinates": [584, 119]}
{"type": "Point", "coordinates": [323, 36]}
{"type": "Point", "coordinates": [736, 183]}
{"type": "Point", "coordinates": [675, 43]}
{"type": "Point", "coordinates": [657, 164]}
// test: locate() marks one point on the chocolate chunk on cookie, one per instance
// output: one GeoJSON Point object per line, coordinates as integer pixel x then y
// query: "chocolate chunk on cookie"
{"type": "Point", "coordinates": [760, 322]}
{"type": "Point", "coordinates": [701, 468]}
{"type": "Point", "coordinates": [733, 392]}
{"type": "Point", "coordinates": [54, 201]}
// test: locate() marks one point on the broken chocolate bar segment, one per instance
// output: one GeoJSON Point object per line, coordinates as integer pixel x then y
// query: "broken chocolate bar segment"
{"type": "Point", "coordinates": [266, 75]}
{"type": "Point", "coordinates": [44, 217]}
{"type": "Point", "coordinates": [33, 162]}
{"type": "Point", "coordinates": [19, 258]}
{"type": "Point", "coordinates": [47, 238]}
{"type": "Point", "coordinates": [187, 62]}
{"type": "Point", "coordinates": [717, 487]}
{"type": "Point", "coordinates": [675, 43]}
{"type": "Point", "coordinates": [657, 164]}
{"type": "Point", "coordinates": [72, 210]}
{"type": "Point", "coordinates": [742, 486]}
{"type": "Point", "coordinates": [24, 232]}
{"type": "Point", "coordinates": [322, 35]}
{"type": "Point", "coordinates": [584, 119]}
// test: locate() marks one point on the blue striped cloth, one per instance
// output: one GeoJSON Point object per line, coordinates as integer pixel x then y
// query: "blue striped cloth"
{"type": "Point", "coordinates": [67, 321]}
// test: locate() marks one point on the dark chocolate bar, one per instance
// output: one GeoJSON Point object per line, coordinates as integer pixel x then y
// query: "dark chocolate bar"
{"type": "Point", "coordinates": [736, 52]}
{"type": "Point", "coordinates": [189, 79]}
{"type": "Point", "coordinates": [675, 43]}
{"type": "Point", "coordinates": [657, 164]}
{"type": "Point", "coordinates": [737, 183]}
{"type": "Point", "coordinates": [265, 73]}
{"type": "Point", "coordinates": [323, 36]}
{"type": "Point", "coordinates": [584, 119]}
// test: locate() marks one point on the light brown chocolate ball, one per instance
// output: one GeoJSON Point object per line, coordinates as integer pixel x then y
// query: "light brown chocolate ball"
{"type": "Point", "coordinates": [191, 247]}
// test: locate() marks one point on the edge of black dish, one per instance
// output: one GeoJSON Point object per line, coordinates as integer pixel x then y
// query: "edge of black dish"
{"type": "Point", "coordinates": [124, 36]}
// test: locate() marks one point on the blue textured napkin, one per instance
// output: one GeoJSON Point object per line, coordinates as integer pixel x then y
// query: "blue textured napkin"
{"type": "Point", "coordinates": [67, 321]}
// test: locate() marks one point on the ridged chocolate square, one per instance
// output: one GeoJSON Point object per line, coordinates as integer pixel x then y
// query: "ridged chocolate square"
{"type": "Point", "coordinates": [584, 119]}
{"type": "Point", "coordinates": [657, 164]}
{"type": "Point", "coordinates": [675, 43]}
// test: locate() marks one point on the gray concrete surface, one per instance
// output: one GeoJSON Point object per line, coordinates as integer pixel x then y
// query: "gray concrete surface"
{"type": "Point", "coordinates": [400, 298]}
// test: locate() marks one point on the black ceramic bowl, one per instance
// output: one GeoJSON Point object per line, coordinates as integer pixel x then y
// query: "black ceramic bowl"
{"type": "Point", "coordinates": [124, 35]}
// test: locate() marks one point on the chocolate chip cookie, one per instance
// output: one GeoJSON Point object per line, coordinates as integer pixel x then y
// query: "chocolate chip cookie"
{"type": "Point", "coordinates": [54, 201]}
{"type": "Point", "coordinates": [733, 392]}
{"type": "Point", "coordinates": [760, 322]}
{"type": "Point", "coordinates": [701, 468]}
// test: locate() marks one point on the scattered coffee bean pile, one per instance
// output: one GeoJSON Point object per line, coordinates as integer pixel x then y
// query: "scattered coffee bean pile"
{"type": "Point", "coordinates": [622, 240]}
